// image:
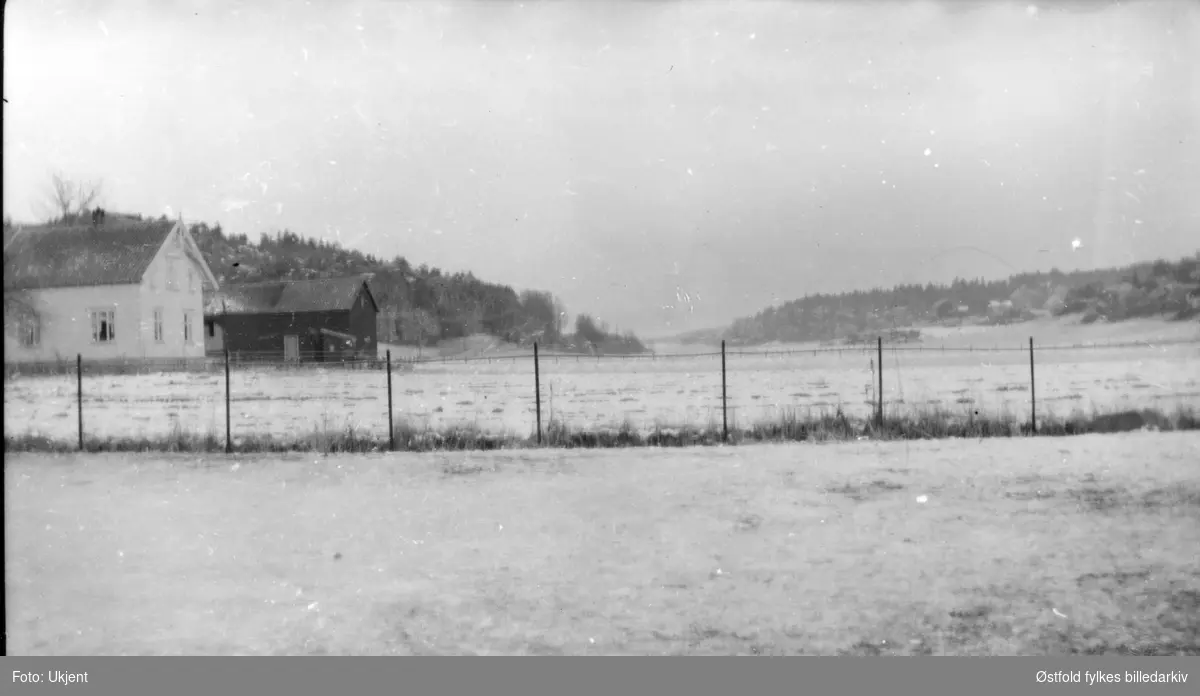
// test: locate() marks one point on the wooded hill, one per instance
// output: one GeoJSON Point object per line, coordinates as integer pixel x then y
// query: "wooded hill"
{"type": "Point", "coordinates": [1158, 288]}
{"type": "Point", "coordinates": [417, 305]}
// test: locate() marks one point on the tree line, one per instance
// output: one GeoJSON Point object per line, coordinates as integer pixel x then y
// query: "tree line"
{"type": "Point", "coordinates": [418, 305]}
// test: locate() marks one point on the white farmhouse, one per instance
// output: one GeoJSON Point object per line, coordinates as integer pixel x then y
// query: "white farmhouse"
{"type": "Point", "coordinates": [112, 287]}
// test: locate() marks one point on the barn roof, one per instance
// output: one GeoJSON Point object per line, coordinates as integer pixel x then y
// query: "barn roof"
{"type": "Point", "coordinates": [116, 252]}
{"type": "Point", "coordinates": [286, 296]}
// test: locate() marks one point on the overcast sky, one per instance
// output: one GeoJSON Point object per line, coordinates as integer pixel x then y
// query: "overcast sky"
{"type": "Point", "coordinates": [666, 166]}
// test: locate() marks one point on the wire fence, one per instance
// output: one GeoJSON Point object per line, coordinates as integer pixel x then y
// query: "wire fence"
{"type": "Point", "coordinates": [317, 360]}
{"type": "Point", "coordinates": [237, 397]}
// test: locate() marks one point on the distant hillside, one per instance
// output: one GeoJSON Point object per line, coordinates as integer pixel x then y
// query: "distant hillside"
{"type": "Point", "coordinates": [1159, 288]}
{"type": "Point", "coordinates": [700, 336]}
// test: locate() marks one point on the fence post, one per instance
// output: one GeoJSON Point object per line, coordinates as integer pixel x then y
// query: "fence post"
{"type": "Point", "coordinates": [724, 399]}
{"type": "Point", "coordinates": [1032, 392]}
{"type": "Point", "coordinates": [228, 429]}
{"type": "Point", "coordinates": [79, 394]}
{"type": "Point", "coordinates": [879, 350]}
{"type": "Point", "coordinates": [391, 428]}
{"type": "Point", "coordinates": [537, 391]}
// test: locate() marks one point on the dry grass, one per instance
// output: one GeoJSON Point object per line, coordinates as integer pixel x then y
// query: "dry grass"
{"type": "Point", "coordinates": [790, 425]}
{"type": "Point", "coordinates": [1022, 546]}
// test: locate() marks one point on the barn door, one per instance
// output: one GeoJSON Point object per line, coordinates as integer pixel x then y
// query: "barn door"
{"type": "Point", "coordinates": [291, 348]}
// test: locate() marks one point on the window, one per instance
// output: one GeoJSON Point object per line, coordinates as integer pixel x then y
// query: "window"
{"type": "Point", "coordinates": [31, 332]}
{"type": "Point", "coordinates": [212, 329]}
{"type": "Point", "coordinates": [187, 327]}
{"type": "Point", "coordinates": [172, 283]}
{"type": "Point", "coordinates": [158, 325]}
{"type": "Point", "coordinates": [104, 324]}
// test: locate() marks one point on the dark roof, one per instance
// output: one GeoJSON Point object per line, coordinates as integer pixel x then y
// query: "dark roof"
{"type": "Point", "coordinates": [116, 252]}
{"type": "Point", "coordinates": [286, 296]}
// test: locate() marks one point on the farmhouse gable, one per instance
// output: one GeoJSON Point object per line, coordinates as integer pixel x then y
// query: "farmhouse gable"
{"type": "Point", "coordinates": [88, 287]}
{"type": "Point", "coordinates": [117, 251]}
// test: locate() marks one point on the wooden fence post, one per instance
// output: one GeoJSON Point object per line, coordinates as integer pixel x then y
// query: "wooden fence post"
{"type": "Point", "coordinates": [228, 428]}
{"type": "Point", "coordinates": [79, 394]}
{"type": "Point", "coordinates": [391, 428]}
{"type": "Point", "coordinates": [879, 350]}
{"type": "Point", "coordinates": [537, 392]}
{"type": "Point", "coordinates": [724, 399]}
{"type": "Point", "coordinates": [1032, 392]}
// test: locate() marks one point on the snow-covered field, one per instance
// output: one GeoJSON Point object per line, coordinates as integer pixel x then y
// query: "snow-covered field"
{"type": "Point", "coordinates": [498, 394]}
{"type": "Point", "coordinates": [1017, 546]}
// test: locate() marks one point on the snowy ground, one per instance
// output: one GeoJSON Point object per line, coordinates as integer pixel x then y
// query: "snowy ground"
{"type": "Point", "coordinates": [1024, 546]}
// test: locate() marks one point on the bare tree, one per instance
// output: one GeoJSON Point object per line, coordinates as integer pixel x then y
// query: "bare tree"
{"type": "Point", "coordinates": [10, 232]}
{"type": "Point", "coordinates": [18, 302]}
{"type": "Point", "coordinates": [67, 199]}
{"type": "Point", "coordinates": [19, 309]}
{"type": "Point", "coordinates": [418, 325]}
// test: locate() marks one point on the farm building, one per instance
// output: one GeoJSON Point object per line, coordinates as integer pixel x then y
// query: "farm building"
{"type": "Point", "coordinates": [946, 308]}
{"type": "Point", "coordinates": [104, 286]}
{"type": "Point", "coordinates": [1001, 309]}
{"type": "Point", "coordinates": [1028, 298]}
{"type": "Point", "coordinates": [318, 320]}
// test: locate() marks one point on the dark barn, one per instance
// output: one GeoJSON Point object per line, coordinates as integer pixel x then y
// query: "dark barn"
{"type": "Point", "coordinates": [323, 320]}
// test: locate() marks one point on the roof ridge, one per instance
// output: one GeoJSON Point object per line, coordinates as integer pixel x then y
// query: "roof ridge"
{"type": "Point", "coordinates": [80, 255]}
{"type": "Point", "coordinates": [296, 295]}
